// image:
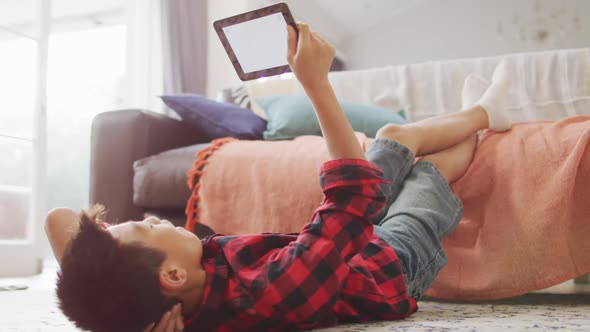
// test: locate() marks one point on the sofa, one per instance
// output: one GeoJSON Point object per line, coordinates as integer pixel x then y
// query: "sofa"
{"type": "Point", "coordinates": [139, 158]}
{"type": "Point", "coordinates": [121, 138]}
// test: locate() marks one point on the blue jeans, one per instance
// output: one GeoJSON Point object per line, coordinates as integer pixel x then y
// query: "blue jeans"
{"type": "Point", "coordinates": [421, 209]}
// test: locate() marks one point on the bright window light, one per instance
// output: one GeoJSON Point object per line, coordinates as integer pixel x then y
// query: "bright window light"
{"type": "Point", "coordinates": [85, 77]}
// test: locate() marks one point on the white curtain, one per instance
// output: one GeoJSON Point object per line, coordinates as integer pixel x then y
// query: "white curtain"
{"type": "Point", "coordinates": [144, 79]}
{"type": "Point", "coordinates": [184, 41]}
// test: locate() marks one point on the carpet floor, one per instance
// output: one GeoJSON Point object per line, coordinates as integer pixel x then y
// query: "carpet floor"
{"type": "Point", "coordinates": [564, 309]}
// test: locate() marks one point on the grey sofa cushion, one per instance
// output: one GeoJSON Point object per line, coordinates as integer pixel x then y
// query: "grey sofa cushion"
{"type": "Point", "coordinates": [159, 181]}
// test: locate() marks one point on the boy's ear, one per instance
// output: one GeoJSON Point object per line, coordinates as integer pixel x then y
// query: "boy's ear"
{"type": "Point", "coordinates": [172, 277]}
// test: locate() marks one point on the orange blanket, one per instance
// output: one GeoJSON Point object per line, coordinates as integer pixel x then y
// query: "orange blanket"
{"type": "Point", "coordinates": [526, 224]}
{"type": "Point", "coordinates": [257, 186]}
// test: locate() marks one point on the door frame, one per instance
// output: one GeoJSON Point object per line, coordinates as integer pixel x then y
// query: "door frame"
{"type": "Point", "coordinates": [24, 256]}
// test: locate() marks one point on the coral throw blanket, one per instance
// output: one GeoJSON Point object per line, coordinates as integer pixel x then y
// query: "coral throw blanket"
{"type": "Point", "coordinates": [526, 222]}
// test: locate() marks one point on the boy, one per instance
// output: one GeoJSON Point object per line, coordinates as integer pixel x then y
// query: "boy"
{"type": "Point", "coordinates": [370, 251]}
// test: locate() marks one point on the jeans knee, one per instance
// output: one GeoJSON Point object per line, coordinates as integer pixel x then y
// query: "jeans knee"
{"type": "Point", "coordinates": [404, 135]}
{"type": "Point", "coordinates": [388, 131]}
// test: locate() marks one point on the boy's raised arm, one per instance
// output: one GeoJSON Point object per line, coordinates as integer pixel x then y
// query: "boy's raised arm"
{"type": "Point", "coordinates": [317, 261]}
{"type": "Point", "coordinates": [310, 58]}
{"type": "Point", "coordinates": [61, 225]}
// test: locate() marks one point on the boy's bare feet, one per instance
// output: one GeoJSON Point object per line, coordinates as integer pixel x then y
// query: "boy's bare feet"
{"type": "Point", "coordinates": [454, 161]}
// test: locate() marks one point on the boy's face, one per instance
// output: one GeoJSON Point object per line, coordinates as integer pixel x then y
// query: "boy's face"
{"type": "Point", "coordinates": [181, 246]}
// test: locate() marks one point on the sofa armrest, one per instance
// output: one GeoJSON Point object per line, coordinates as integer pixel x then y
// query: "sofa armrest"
{"type": "Point", "coordinates": [118, 139]}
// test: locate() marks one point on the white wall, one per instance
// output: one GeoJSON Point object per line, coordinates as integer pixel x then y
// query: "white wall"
{"type": "Point", "coordinates": [450, 29]}
{"type": "Point", "coordinates": [427, 30]}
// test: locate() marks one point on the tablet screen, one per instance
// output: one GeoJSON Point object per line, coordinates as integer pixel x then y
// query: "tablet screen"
{"type": "Point", "coordinates": [260, 43]}
{"type": "Point", "coordinates": [256, 41]}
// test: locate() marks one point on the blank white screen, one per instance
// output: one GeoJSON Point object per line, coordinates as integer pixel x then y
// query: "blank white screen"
{"type": "Point", "coordinates": [260, 43]}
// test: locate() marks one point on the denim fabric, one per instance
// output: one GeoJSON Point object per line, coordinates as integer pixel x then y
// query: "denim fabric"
{"type": "Point", "coordinates": [421, 209]}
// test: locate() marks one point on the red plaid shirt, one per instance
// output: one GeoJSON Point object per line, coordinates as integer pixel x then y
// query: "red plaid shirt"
{"type": "Point", "coordinates": [334, 271]}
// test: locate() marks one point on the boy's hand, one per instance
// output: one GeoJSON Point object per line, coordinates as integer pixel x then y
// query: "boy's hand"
{"type": "Point", "coordinates": [309, 56]}
{"type": "Point", "coordinates": [171, 321]}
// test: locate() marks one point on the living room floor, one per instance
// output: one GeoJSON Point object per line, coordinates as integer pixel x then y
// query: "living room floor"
{"type": "Point", "coordinates": [563, 307]}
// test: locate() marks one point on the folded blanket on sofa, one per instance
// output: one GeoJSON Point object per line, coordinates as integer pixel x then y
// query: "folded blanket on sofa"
{"type": "Point", "coordinates": [257, 186]}
{"type": "Point", "coordinates": [551, 85]}
{"type": "Point", "coordinates": [526, 223]}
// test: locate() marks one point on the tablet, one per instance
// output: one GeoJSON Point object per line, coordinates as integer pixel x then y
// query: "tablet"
{"type": "Point", "coordinates": [256, 41]}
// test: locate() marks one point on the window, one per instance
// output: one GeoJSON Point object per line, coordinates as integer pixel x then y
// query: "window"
{"type": "Point", "coordinates": [101, 56]}
{"type": "Point", "coordinates": [85, 77]}
{"type": "Point", "coordinates": [23, 50]}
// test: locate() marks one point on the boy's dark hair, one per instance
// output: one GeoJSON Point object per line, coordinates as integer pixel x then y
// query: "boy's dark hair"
{"type": "Point", "coordinates": [105, 285]}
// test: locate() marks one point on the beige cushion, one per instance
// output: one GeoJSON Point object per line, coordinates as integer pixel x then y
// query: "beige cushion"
{"type": "Point", "coordinates": [270, 87]}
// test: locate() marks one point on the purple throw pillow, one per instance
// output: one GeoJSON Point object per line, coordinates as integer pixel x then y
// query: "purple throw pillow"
{"type": "Point", "coordinates": [215, 119]}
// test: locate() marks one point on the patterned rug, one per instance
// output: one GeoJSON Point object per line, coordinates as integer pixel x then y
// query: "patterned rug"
{"type": "Point", "coordinates": [532, 312]}
{"type": "Point", "coordinates": [35, 310]}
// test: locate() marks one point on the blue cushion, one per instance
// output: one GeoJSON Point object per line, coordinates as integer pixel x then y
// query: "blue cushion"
{"type": "Point", "coordinates": [215, 119]}
{"type": "Point", "coordinates": [290, 116]}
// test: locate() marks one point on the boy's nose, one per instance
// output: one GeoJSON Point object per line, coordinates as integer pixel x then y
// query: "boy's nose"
{"type": "Point", "coordinates": [153, 220]}
{"type": "Point", "coordinates": [156, 221]}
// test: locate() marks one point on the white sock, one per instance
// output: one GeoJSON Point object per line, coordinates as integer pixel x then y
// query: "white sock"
{"type": "Point", "coordinates": [495, 99]}
{"type": "Point", "coordinates": [473, 88]}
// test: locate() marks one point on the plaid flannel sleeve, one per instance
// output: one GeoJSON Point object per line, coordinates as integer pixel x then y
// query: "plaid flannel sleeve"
{"type": "Point", "coordinates": [304, 277]}
{"type": "Point", "coordinates": [353, 195]}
